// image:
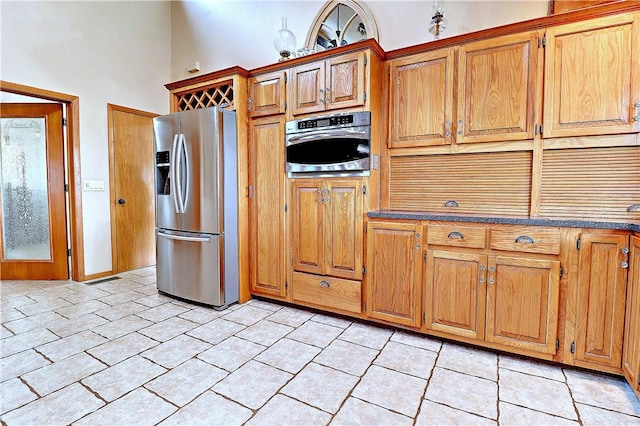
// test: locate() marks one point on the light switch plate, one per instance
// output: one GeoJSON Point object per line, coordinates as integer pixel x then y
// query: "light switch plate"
{"type": "Point", "coordinates": [93, 185]}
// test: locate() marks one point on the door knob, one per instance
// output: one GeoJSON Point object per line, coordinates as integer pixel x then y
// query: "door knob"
{"type": "Point", "coordinates": [121, 201]}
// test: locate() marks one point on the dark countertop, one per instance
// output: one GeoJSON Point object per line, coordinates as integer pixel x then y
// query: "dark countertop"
{"type": "Point", "coordinates": [563, 223]}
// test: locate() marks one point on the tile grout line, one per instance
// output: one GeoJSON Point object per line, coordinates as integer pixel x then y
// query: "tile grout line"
{"type": "Point", "coordinates": [573, 400]}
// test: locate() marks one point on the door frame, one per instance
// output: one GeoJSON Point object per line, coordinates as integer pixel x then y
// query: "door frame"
{"type": "Point", "coordinates": [72, 165]}
{"type": "Point", "coordinates": [112, 171]}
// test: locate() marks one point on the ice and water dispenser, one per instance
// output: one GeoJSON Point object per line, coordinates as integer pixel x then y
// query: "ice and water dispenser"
{"type": "Point", "coordinates": [163, 179]}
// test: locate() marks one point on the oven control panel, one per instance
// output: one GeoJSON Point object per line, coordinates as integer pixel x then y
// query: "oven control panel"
{"type": "Point", "coordinates": [350, 119]}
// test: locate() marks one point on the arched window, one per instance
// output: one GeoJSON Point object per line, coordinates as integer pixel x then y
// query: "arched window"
{"type": "Point", "coordinates": [339, 23]}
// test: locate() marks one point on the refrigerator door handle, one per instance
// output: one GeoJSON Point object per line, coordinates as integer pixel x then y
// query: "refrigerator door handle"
{"type": "Point", "coordinates": [179, 196]}
{"type": "Point", "coordinates": [174, 173]}
{"type": "Point", "coordinates": [185, 238]}
{"type": "Point", "coordinates": [187, 172]}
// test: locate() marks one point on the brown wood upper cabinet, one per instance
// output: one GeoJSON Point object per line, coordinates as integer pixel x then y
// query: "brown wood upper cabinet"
{"type": "Point", "coordinates": [267, 94]}
{"type": "Point", "coordinates": [421, 93]}
{"type": "Point", "coordinates": [497, 93]}
{"type": "Point", "coordinates": [327, 227]}
{"type": "Point", "coordinates": [337, 82]}
{"type": "Point", "coordinates": [498, 89]}
{"type": "Point", "coordinates": [591, 79]}
{"type": "Point", "coordinates": [602, 289]}
{"type": "Point", "coordinates": [266, 205]}
{"type": "Point", "coordinates": [393, 284]}
{"type": "Point", "coordinates": [631, 353]}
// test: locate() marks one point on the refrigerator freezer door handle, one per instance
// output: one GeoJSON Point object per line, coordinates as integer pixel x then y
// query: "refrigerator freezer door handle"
{"type": "Point", "coordinates": [185, 238]}
{"type": "Point", "coordinates": [174, 173]}
{"type": "Point", "coordinates": [187, 171]}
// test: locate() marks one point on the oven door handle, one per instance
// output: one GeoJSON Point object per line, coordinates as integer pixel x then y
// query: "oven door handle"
{"type": "Point", "coordinates": [351, 134]}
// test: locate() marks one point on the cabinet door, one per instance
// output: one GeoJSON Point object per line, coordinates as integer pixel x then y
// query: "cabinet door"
{"type": "Point", "coordinates": [631, 353]}
{"type": "Point", "coordinates": [307, 225]}
{"type": "Point", "coordinates": [345, 81]}
{"type": "Point", "coordinates": [591, 77]}
{"type": "Point", "coordinates": [266, 205]}
{"type": "Point", "coordinates": [455, 293]}
{"type": "Point", "coordinates": [522, 303]}
{"type": "Point", "coordinates": [307, 88]}
{"type": "Point", "coordinates": [343, 233]}
{"type": "Point", "coordinates": [393, 272]}
{"type": "Point", "coordinates": [421, 94]}
{"type": "Point", "coordinates": [498, 89]}
{"type": "Point", "coordinates": [267, 94]}
{"type": "Point", "coordinates": [601, 299]}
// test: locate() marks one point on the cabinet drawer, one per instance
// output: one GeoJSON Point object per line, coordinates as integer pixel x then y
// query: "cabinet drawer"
{"type": "Point", "coordinates": [526, 239]}
{"type": "Point", "coordinates": [456, 236]}
{"type": "Point", "coordinates": [327, 291]}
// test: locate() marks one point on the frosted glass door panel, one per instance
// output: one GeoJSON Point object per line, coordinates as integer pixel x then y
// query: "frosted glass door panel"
{"type": "Point", "coordinates": [25, 207]}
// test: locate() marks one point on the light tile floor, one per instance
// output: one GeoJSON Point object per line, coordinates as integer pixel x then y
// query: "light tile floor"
{"type": "Point", "coordinates": [119, 353]}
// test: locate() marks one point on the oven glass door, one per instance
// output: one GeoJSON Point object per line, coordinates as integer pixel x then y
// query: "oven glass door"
{"type": "Point", "coordinates": [340, 150]}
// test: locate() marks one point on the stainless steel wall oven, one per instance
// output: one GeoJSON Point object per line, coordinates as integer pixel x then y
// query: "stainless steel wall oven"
{"type": "Point", "coordinates": [335, 145]}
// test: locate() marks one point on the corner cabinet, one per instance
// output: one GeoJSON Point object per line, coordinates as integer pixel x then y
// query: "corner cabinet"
{"type": "Point", "coordinates": [592, 83]}
{"type": "Point", "coordinates": [266, 206]}
{"type": "Point", "coordinates": [631, 353]}
{"type": "Point", "coordinates": [394, 266]}
{"type": "Point", "coordinates": [334, 83]}
{"type": "Point", "coordinates": [267, 94]}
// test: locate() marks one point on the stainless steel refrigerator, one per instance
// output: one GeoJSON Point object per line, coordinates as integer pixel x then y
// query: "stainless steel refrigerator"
{"type": "Point", "coordinates": [196, 206]}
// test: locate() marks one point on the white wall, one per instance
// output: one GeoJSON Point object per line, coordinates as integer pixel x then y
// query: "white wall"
{"type": "Point", "coordinates": [103, 52]}
{"type": "Point", "coordinates": [224, 33]}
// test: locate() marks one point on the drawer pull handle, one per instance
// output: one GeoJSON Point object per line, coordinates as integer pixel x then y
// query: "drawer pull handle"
{"type": "Point", "coordinates": [324, 284]}
{"type": "Point", "coordinates": [524, 239]}
{"type": "Point", "coordinates": [633, 208]}
{"type": "Point", "coordinates": [451, 203]}
{"type": "Point", "coordinates": [455, 235]}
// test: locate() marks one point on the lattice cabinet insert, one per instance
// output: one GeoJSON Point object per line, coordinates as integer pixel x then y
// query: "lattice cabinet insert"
{"type": "Point", "coordinates": [218, 94]}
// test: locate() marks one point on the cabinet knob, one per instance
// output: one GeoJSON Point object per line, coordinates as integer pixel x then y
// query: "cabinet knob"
{"type": "Point", "coordinates": [636, 111]}
{"type": "Point", "coordinates": [322, 100]}
{"type": "Point", "coordinates": [624, 265]}
{"type": "Point", "coordinates": [122, 201]}
{"type": "Point", "coordinates": [625, 250]}
{"type": "Point", "coordinates": [324, 284]}
{"type": "Point", "coordinates": [492, 281]}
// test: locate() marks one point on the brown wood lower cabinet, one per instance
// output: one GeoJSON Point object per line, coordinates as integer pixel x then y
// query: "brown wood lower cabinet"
{"type": "Point", "coordinates": [601, 294]}
{"type": "Point", "coordinates": [392, 280]}
{"type": "Point", "coordinates": [631, 353]}
{"type": "Point", "coordinates": [266, 206]}
{"type": "Point", "coordinates": [522, 302]}
{"type": "Point", "coordinates": [511, 301]}
{"type": "Point", "coordinates": [455, 293]}
{"type": "Point", "coordinates": [328, 292]}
